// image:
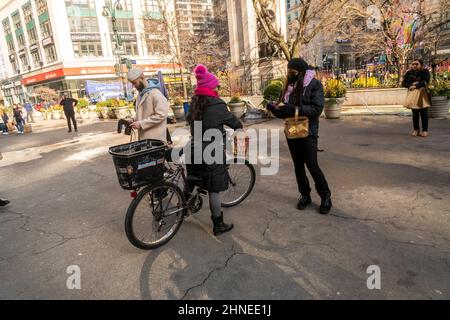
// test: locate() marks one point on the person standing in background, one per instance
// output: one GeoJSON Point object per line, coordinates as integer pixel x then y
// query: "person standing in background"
{"type": "Point", "coordinates": [29, 109]}
{"type": "Point", "coordinates": [418, 78]}
{"type": "Point", "coordinates": [18, 117]}
{"type": "Point", "coordinates": [69, 105]}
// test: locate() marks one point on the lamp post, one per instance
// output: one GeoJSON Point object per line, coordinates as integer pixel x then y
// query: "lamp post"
{"type": "Point", "coordinates": [244, 60]}
{"type": "Point", "coordinates": [111, 12]}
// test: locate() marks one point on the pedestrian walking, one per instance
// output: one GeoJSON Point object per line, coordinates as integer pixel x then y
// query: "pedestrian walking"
{"type": "Point", "coordinates": [211, 112]}
{"type": "Point", "coordinates": [152, 107]}
{"type": "Point", "coordinates": [303, 96]}
{"type": "Point", "coordinates": [30, 110]}
{"type": "Point", "coordinates": [416, 80]}
{"type": "Point", "coordinates": [18, 118]}
{"type": "Point", "coordinates": [4, 121]}
{"type": "Point", "coordinates": [69, 111]}
{"type": "Point", "coordinates": [3, 202]}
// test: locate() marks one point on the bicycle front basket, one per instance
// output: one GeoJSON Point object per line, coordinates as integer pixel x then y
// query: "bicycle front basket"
{"type": "Point", "coordinates": [139, 163]}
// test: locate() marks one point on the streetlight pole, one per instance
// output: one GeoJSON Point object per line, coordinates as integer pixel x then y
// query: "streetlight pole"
{"type": "Point", "coordinates": [244, 59]}
{"type": "Point", "coordinates": [117, 6]}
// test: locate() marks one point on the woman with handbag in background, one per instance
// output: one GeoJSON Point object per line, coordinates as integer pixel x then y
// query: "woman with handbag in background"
{"type": "Point", "coordinates": [301, 105]}
{"type": "Point", "coordinates": [418, 100]}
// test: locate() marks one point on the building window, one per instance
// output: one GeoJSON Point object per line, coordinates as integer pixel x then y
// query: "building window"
{"type": "Point", "coordinates": [24, 61]}
{"type": "Point", "coordinates": [11, 47]}
{"type": "Point", "coordinates": [41, 7]}
{"type": "Point", "coordinates": [32, 35]}
{"type": "Point", "coordinates": [123, 25]}
{"type": "Point", "coordinates": [83, 24]}
{"type": "Point", "coordinates": [87, 49]}
{"type": "Point", "coordinates": [50, 53]}
{"type": "Point", "coordinates": [46, 29]}
{"type": "Point", "coordinates": [28, 13]}
{"type": "Point", "coordinates": [6, 27]}
{"type": "Point", "coordinates": [81, 4]}
{"type": "Point", "coordinates": [126, 4]}
{"type": "Point", "coordinates": [149, 6]}
{"type": "Point", "coordinates": [21, 40]}
{"type": "Point", "coordinates": [36, 58]}
{"type": "Point", "coordinates": [157, 47]}
{"type": "Point", "coordinates": [16, 21]}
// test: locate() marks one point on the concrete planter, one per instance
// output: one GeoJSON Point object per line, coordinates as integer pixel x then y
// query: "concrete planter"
{"type": "Point", "coordinates": [178, 112]}
{"type": "Point", "coordinates": [57, 115]}
{"type": "Point", "coordinates": [376, 97]}
{"type": "Point", "coordinates": [238, 109]}
{"type": "Point", "coordinates": [121, 113]}
{"type": "Point", "coordinates": [439, 107]}
{"type": "Point", "coordinates": [333, 108]}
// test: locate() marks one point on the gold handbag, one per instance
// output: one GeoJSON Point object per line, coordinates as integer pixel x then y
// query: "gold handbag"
{"type": "Point", "coordinates": [297, 127]}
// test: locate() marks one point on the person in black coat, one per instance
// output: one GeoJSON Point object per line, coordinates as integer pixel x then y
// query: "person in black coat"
{"type": "Point", "coordinates": [211, 113]}
{"type": "Point", "coordinates": [306, 93]}
{"type": "Point", "coordinates": [69, 105]}
{"type": "Point", "coordinates": [415, 79]}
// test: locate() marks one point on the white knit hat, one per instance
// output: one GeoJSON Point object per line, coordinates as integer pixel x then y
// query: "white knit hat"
{"type": "Point", "coordinates": [134, 74]}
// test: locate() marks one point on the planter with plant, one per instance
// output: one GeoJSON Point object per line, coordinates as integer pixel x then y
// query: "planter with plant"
{"type": "Point", "coordinates": [178, 108]}
{"type": "Point", "coordinates": [83, 108]}
{"type": "Point", "coordinates": [237, 106]}
{"type": "Point", "coordinates": [119, 109]}
{"type": "Point", "coordinates": [440, 103]}
{"type": "Point", "coordinates": [57, 112]}
{"type": "Point", "coordinates": [366, 82]}
{"type": "Point", "coordinates": [102, 110]}
{"type": "Point", "coordinates": [334, 91]}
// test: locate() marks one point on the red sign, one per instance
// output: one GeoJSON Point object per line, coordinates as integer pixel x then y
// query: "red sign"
{"type": "Point", "coordinates": [43, 77]}
{"type": "Point", "coordinates": [91, 71]}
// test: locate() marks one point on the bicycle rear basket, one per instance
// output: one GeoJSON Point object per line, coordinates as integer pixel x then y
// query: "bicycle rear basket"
{"type": "Point", "coordinates": [139, 163]}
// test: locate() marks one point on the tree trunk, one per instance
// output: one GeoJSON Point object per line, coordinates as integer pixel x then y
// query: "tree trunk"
{"type": "Point", "coordinates": [183, 81]}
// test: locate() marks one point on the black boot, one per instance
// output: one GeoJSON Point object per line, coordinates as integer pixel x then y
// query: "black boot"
{"type": "Point", "coordinates": [326, 205]}
{"type": "Point", "coordinates": [305, 200]}
{"type": "Point", "coordinates": [220, 227]}
{"type": "Point", "coordinates": [3, 202]}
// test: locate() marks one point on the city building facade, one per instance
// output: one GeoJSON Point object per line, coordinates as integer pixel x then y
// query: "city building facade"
{"type": "Point", "coordinates": [251, 54]}
{"type": "Point", "coordinates": [62, 44]}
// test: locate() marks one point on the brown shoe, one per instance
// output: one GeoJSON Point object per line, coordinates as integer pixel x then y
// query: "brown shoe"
{"type": "Point", "coordinates": [415, 133]}
{"type": "Point", "coordinates": [424, 134]}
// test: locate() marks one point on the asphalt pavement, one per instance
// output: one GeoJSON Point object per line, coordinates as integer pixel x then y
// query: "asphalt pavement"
{"type": "Point", "coordinates": [391, 210]}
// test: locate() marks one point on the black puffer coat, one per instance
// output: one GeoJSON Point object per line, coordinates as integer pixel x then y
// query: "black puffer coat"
{"type": "Point", "coordinates": [421, 76]}
{"type": "Point", "coordinates": [216, 115]}
{"type": "Point", "coordinates": [312, 106]}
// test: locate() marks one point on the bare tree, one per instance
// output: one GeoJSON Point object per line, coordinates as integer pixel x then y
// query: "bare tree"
{"type": "Point", "coordinates": [315, 16]}
{"type": "Point", "coordinates": [399, 26]}
{"type": "Point", "coordinates": [171, 29]}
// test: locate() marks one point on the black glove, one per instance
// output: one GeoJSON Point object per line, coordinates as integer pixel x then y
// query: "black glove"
{"type": "Point", "coordinates": [271, 106]}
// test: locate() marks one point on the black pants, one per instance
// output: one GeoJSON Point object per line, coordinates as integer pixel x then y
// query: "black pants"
{"type": "Point", "coordinates": [71, 117]}
{"type": "Point", "coordinates": [420, 114]}
{"type": "Point", "coordinates": [304, 152]}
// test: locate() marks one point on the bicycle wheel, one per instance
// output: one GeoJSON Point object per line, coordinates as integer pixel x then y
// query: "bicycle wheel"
{"type": "Point", "coordinates": [155, 216]}
{"type": "Point", "coordinates": [242, 177]}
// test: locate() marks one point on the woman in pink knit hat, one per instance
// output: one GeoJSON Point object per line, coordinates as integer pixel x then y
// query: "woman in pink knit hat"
{"type": "Point", "coordinates": [211, 112]}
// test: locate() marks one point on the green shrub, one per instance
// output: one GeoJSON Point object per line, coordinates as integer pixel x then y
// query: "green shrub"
{"type": "Point", "coordinates": [273, 90]}
{"type": "Point", "coordinates": [83, 103]}
{"type": "Point", "coordinates": [236, 99]}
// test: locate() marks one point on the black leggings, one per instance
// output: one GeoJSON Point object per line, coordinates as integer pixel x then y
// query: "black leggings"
{"type": "Point", "coordinates": [304, 152]}
{"type": "Point", "coordinates": [420, 114]}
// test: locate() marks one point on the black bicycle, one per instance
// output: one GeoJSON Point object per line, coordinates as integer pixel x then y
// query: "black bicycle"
{"type": "Point", "coordinates": [159, 205]}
